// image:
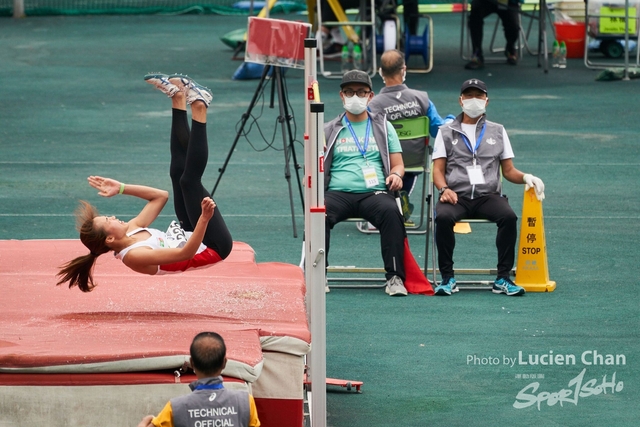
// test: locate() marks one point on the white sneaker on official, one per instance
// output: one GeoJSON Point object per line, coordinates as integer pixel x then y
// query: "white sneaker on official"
{"type": "Point", "coordinates": [395, 287]}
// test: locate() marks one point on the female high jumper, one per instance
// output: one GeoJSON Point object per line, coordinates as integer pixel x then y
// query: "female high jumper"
{"type": "Point", "coordinates": [200, 239]}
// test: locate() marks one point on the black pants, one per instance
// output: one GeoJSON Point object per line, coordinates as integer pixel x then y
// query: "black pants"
{"type": "Point", "coordinates": [380, 209]}
{"type": "Point", "coordinates": [189, 156]}
{"type": "Point", "coordinates": [493, 207]}
{"type": "Point", "coordinates": [411, 16]}
{"type": "Point", "coordinates": [508, 14]}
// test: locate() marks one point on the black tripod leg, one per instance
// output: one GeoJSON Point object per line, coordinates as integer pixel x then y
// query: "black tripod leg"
{"type": "Point", "coordinates": [245, 117]}
{"type": "Point", "coordinates": [292, 149]}
{"type": "Point", "coordinates": [286, 146]}
{"type": "Point", "coordinates": [239, 48]}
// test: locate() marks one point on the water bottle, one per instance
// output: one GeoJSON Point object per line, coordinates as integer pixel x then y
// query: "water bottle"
{"type": "Point", "coordinates": [556, 54]}
{"type": "Point", "coordinates": [346, 59]}
{"type": "Point", "coordinates": [562, 63]}
{"type": "Point", "coordinates": [357, 57]}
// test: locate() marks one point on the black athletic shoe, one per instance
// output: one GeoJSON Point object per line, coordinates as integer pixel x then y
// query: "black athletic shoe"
{"type": "Point", "coordinates": [476, 63]}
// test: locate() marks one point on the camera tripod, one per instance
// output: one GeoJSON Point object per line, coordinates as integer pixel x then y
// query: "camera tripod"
{"type": "Point", "coordinates": [287, 135]}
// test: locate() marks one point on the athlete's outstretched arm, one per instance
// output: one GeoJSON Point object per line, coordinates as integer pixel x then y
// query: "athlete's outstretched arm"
{"type": "Point", "coordinates": [156, 198]}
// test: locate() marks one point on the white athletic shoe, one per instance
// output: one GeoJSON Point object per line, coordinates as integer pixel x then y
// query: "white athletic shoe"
{"type": "Point", "coordinates": [161, 82]}
{"type": "Point", "coordinates": [193, 90]}
{"type": "Point", "coordinates": [395, 287]}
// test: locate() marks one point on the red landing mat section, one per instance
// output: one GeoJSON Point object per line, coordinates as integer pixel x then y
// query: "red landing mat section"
{"type": "Point", "coordinates": [124, 340]}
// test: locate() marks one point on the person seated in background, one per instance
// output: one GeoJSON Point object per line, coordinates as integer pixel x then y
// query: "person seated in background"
{"type": "Point", "coordinates": [362, 169]}
{"type": "Point", "coordinates": [469, 156]}
{"type": "Point", "coordinates": [332, 38]}
{"type": "Point", "coordinates": [508, 11]}
{"type": "Point", "coordinates": [397, 101]}
{"type": "Point", "coordinates": [208, 359]}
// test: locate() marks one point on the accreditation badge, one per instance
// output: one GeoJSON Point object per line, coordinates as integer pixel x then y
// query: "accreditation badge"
{"type": "Point", "coordinates": [476, 176]}
{"type": "Point", "coordinates": [370, 177]}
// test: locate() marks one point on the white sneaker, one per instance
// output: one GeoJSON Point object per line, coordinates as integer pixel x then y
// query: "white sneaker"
{"type": "Point", "coordinates": [161, 82]}
{"type": "Point", "coordinates": [193, 90]}
{"type": "Point", "coordinates": [365, 226]}
{"type": "Point", "coordinates": [395, 287]}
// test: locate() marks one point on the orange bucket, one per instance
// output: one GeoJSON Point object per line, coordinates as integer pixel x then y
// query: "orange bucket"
{"type": "Point", "coordinates": [572, 34]}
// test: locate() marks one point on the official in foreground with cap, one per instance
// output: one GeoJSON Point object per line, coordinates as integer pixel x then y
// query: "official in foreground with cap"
{"type": "Point", "coordinates": [362, 169]}
{"type": "Point", "coordinates": [469, 156]}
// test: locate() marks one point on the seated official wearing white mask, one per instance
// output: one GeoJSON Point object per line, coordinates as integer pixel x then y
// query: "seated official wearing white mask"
{"type": "Point", "coordinates": [469, 155]}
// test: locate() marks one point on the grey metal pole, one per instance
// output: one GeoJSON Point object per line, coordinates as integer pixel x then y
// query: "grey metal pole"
{"type": "Point", "coordinates": [315, 272]}
{"type": "Point", "coordinates": [18, 9]}
{"type": "Point", "coordinates": [626, 40]}
{"type": "Point", "coordinates": [314, 245]}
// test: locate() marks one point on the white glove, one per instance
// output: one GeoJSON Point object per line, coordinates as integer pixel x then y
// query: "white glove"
{"type": "Point", "coordinates": [536, 183]}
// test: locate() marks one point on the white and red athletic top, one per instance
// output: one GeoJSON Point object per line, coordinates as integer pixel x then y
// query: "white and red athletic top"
{"type": "Point", "coordinates": [204, 257]}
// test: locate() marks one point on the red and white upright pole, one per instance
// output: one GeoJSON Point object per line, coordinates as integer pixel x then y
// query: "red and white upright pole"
{"type": "Point", "coordinates": [314, 245]}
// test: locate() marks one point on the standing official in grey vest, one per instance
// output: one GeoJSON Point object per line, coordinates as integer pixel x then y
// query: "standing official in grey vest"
{"type": "Point", "coordinates": [469, 155]}
{"type": "Point", "coordinates": [210, 404]}
{"type": "Point", "coordinates": [397, 101]}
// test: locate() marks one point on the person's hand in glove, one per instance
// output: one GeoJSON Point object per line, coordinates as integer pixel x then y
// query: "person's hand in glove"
{"type": "Point", "coordinates": [536, 183]}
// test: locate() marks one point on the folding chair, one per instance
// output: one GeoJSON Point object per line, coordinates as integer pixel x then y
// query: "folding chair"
{"type": "Point", "coordinates": [431, 240]}
{"type": "Point", "coordinates": [357, 273]}
{"type": "Point", "coordinates": [528, 8]}
{"type": "Point", "coordinates": [465, 38]}
{"type": "Point", "coordinates": [417, 127]}
{"type": "Point", "coordinates": [367, 25]}
{"type": "Point", "coordinates": [413, 128]}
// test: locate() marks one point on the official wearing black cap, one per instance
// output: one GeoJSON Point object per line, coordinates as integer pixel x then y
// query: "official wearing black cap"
{"type": "Point", "coordinates": [470, 156]}
{"type": "Point", "coordinates": [473, 83]}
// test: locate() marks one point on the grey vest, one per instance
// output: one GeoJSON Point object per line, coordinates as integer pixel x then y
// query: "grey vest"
{"type": "Point", "coordinates": [332, 130]}
{"type": "Point", "coordinates": [400, 102]}
{"type": "Point", "coordinates": [459, 157]}
{"type": "Point", "coordinates": [227, 407]}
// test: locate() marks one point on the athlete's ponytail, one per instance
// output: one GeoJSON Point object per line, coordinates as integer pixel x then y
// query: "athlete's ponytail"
{"type": "Point", "coordinates": [78, 272]}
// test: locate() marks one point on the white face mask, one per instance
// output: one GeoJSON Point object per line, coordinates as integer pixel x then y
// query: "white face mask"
{"type": "Point", "coordinates": [355, 104]}
{"type": "Point", "coordinates": [474, 107]}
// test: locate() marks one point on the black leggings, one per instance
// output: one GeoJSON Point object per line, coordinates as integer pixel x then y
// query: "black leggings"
{"type": "Point", "coordinates": [189, 156]}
